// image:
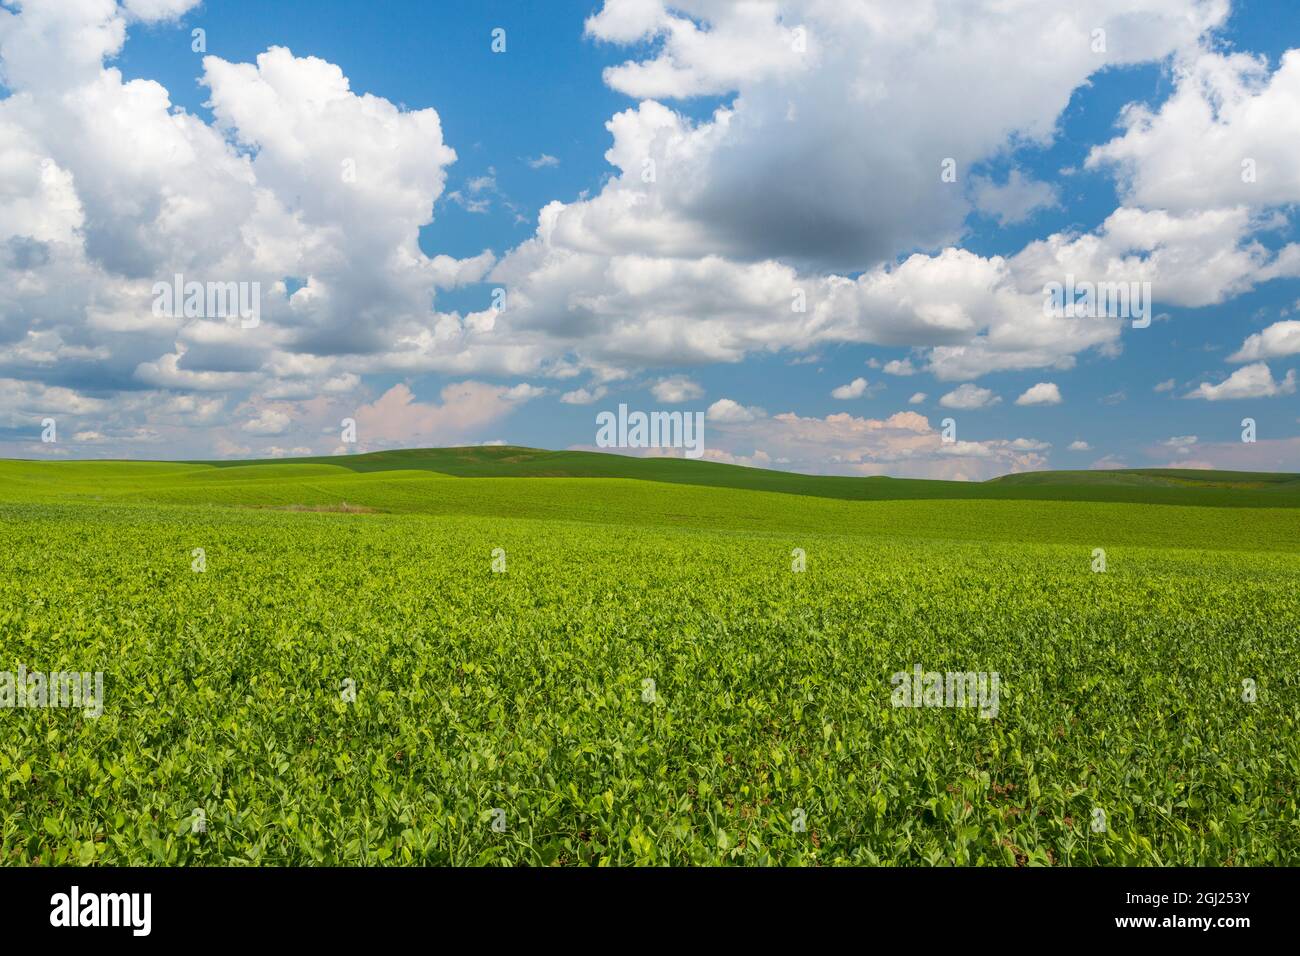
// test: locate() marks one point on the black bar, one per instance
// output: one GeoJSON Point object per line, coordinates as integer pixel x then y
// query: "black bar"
{"type": "Point", "coordinates": [334, 906]}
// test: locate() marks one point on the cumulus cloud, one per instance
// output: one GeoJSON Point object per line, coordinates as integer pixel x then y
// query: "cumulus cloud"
{"type": "Point", "coordinates": [1080, 446]}
{"type": "Point", "coordinates": [478, 193]}
{"type": "Point", "coordinates": [1249, 381]}
{"type": "Point", "coordinates": [853, 389]}
{"type": "Point", "coordinates": [881, 86]}
{"type": "Point", "coordinates": [1278, 340]}
{"type": "Point", "coordinates": [726, 410]}
{"type": "Point", "coordinates": [25, 403]}
{"type": "Point", "coordinates": [917, 398]}
{"type": "Point", "coordinates": [976, 315]}
{"type": "Point", "coordinates": [673, 263]}
{"type": "Point", "coordinates": [1044, 393]}
{"type": "Point", "coordinates": [1275, 454]}
{"type": "Point", "coordinates": [1224, 138]}
{"type": "Point", "coordinates": [1191, 258]}
{"type": "Point", "coordinates": [268, 421]}
{"type": "Point", "coordinates": [318, 192]}
{"type": "Point", "coordinates": [903, 444]}
{"type": "Point", "coordinates": [1015, 200]}
{"type": "Point", "coordinates": [969, 397]}
{"type": "Point", "coordinates": [154, 10]}
{"type": "Point", "coordinates": [109, 189]}
{"type": "Point", "coordinates": [396, 418]}
{"type": "Point", "coordinates": [584, 396]}
{"type": "Point", "coordinates": [674, 390]}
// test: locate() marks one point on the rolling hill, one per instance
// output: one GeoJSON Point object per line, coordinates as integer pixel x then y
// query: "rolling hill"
{"type": "Point", "coordinates": [644, 662]}
{"type": "Point", "coordinates": [1154, 486]}
{"type": "Point", "coordinates": [1141, 486]}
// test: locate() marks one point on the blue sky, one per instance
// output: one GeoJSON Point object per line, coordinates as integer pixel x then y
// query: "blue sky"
{"type": "Point", "coordinates": [796, 148]}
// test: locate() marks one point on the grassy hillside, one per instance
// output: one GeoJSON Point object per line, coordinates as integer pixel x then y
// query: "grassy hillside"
{"type": "Point", "coordinates": [1160, 478]}
{"type": "Point", "coordinates": [649, 503]}
{"type": "Point", "coordinates": [655, 672]}
{"type": "Point", "coordinates": [648, 681]}
{"type": "Point", "coordinates": [1152, 486]}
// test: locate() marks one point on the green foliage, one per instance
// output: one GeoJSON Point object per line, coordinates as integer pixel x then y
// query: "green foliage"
{"type": "Point", "coordinates": [1145, 486]}
{"type": "Point", "coordinates": [524, 691]}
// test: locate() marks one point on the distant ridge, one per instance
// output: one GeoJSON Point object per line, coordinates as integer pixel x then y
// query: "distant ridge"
{"type": "Point", "coordinates": [1144, 485]}
{"type": "Point", "coordinates": [1159, 477]}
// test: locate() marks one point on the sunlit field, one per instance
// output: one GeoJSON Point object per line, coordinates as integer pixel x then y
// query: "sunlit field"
{"type": "Point", "coordinates": [308, 664]}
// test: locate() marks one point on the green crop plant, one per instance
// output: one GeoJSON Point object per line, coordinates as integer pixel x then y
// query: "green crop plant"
{"type": "Point", "coordinates": [641, 676]}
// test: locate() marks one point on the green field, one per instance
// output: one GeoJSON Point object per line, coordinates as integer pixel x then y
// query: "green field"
{"type": "Point", "coordinates": [508, 718]}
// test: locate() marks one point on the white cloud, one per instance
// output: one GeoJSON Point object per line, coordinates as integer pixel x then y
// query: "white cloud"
{"type": "Point", "coordinates": [1180, 444]}
{"type": "Point", "coordinates": [903, 444]}
{"type": "Point", "coordinates": [886, 91]}
{"type": "Point", "coordinates": [1044, 393]}
{"type": "Point", "coordinates": [523, 392]}
{"type": "Point", "coordinates": [683, 267]}
{"type": "Point", "coordinates": [1080, 446]}
{"type": "Point", "coordinates": [1191, 259]}
{"type": "Point", "coordinates": [917, 398]}
{"type": "Point", "coordinates": [24, 404]}
{"type": "Point", "coordinates": [1278, 340]}
{"type": "Point", "coordinates": [672, 391]}
{"type": "Point", "coordinates": [1108, 463]}
{"type": "Point", "coordinates": [1015, 200]}
{"type": "Point", "coordinates": [584, 396]}
{"type": "Point", "coordinates": [396, 418]}
{"type": "Point", "coordinates": [268, 421]}
{"type": "Point", "coordinates": [1029, 444]}
{"type": "Point", "coordinates": [544, 161]}
{"type": "Point", "coordinates": [1249, 381]}
{"type": "Point", "coordinates": [478, 193]}
{"type": "Point", "coordinates": [1224, 138]}
{"type": "Point", "coordinates": [969, 397]}
{"type": "Point", "coordinates": [451, 273]}
{"type": "Point", "coordinates": [741, 44]}
{"type": "Point", "coordinates": [154, 10]}
{"type": "Point", "coordinates": [1167, 385]}
{"type": "Point", "coordinates": [726, 410]}
{"type": "Point", "coordinates": [853, 389]}
{"type": "Point", "coordinates": [1278, 454]}
{"type": "Point", "coordinates": [108, 187]}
